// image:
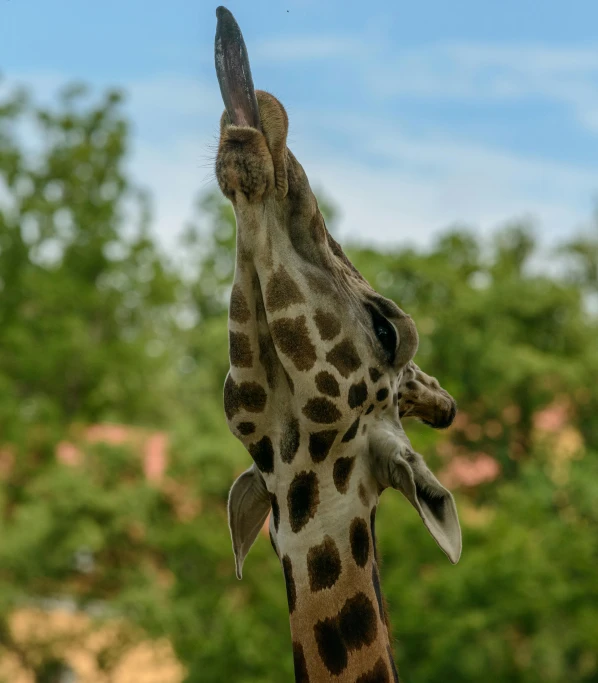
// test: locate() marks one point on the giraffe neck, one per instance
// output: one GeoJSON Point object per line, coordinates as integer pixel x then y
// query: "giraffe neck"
{"type": "Point", "coordinates": [315, 467]}
{"type": "Point", "coordinates": [337, 614]}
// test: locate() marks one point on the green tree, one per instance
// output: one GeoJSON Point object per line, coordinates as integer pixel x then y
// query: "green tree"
{"type": "Point", "coordinates": [86, 313]}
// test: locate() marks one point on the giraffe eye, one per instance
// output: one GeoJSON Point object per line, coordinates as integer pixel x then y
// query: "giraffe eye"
{"type": "Point", "coordinates": [385, 333]}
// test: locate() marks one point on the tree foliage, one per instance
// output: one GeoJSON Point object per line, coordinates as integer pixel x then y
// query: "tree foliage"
{"type": "Point", "coordinates": [99, 326]}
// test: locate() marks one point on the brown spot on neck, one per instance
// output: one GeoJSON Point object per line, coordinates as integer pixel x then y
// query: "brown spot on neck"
{"type": "Point", "coordinates": [344, 357]}
{"type": "Point", "coordinates": [323, 565]}
{"type": "Point", "coordinates": [358, 622]}
{"type": "Point", "coordinates": [351, 432]}
{"type": "Point", "coordinates": [331, 648]}
{"type": "Point", "coordinates": [303, 499]}
{"type": "Point", "coordinates": [246, 428]}
{"type": "Point", "coordinates": [282, 291]}
{"type": "Point", "coordinates": [275, 511]}
{"type": "Point", "coordinates": [320, 444]}
{"type": "Point", "coordinates": [238, 309]}
{"type": "Point", "coordinates": [301, 675]}
{"type": "Point", "coordinates": [381, 394]}
{"type": "Point", "coordinates": [358, 394]}
{"type": "Point", "coordinates": [263, 454]}
{"type": "Point", "coordinates": [327, 384]}
{"type": "Point", "coordinates": [289, 443]}
{"type": "Point", "coordinates": [341, 473]}
{"type": "Point", "coordinates": [328, 324]}
{"type": "Point", "coordinates": [240, 350]}
{"type": "Point", "coordinates": [291, 336]}
{"type": "Point", "coordinates": [360, 541]}
{"type": "Point", "coordinates": [321, 410]}
{"type": "Point", "coordinates": [268, 358]}
{"type": "Point", "coordinates": [248, 396]}
{"type": "Point", "coordinates": [379, 674]}
{"type": "Point", "coordinates": [287, 567]}
{"type": "Point", "coordinates": [375, 374]}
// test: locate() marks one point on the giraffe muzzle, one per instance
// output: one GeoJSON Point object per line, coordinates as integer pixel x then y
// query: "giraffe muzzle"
{"type": "Point", "coordinates": [252, 155]}
{"type": "Point", "coordinates": [234, 72]}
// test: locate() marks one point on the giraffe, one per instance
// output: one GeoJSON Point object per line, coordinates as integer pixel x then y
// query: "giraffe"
{"type": "Point", "coordinates": [321, 373]}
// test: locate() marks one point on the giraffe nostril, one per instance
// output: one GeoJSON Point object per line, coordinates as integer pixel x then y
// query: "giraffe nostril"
{"type": "Point", "coordinates": [444, 417]}
{"type": "Point", "coordinates": [452, 413]}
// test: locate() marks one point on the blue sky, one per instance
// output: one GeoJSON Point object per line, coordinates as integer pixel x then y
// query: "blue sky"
{"type": "Point", "coordinates": [411, 116]}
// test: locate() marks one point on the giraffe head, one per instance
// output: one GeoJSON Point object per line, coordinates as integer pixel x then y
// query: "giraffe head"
{"type": "Point", "coordinates": [321, 365]}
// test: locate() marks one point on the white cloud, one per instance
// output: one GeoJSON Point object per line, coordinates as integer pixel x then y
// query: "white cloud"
{"type": "Point", "coordinates": [478, 72]}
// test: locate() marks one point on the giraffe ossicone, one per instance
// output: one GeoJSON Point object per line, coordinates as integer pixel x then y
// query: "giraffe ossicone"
{"type": "Point", "coordinates": [321, 373]}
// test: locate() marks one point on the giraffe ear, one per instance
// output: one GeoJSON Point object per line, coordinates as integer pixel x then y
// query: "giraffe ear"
{"type": "Point", "coordinates": [396, 464]}
{"type": "Point", "coordinates": [248, 508]}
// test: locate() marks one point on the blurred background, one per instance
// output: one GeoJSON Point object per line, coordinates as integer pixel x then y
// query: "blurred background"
{"type": "Point", "coordinates": [453, 148]}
